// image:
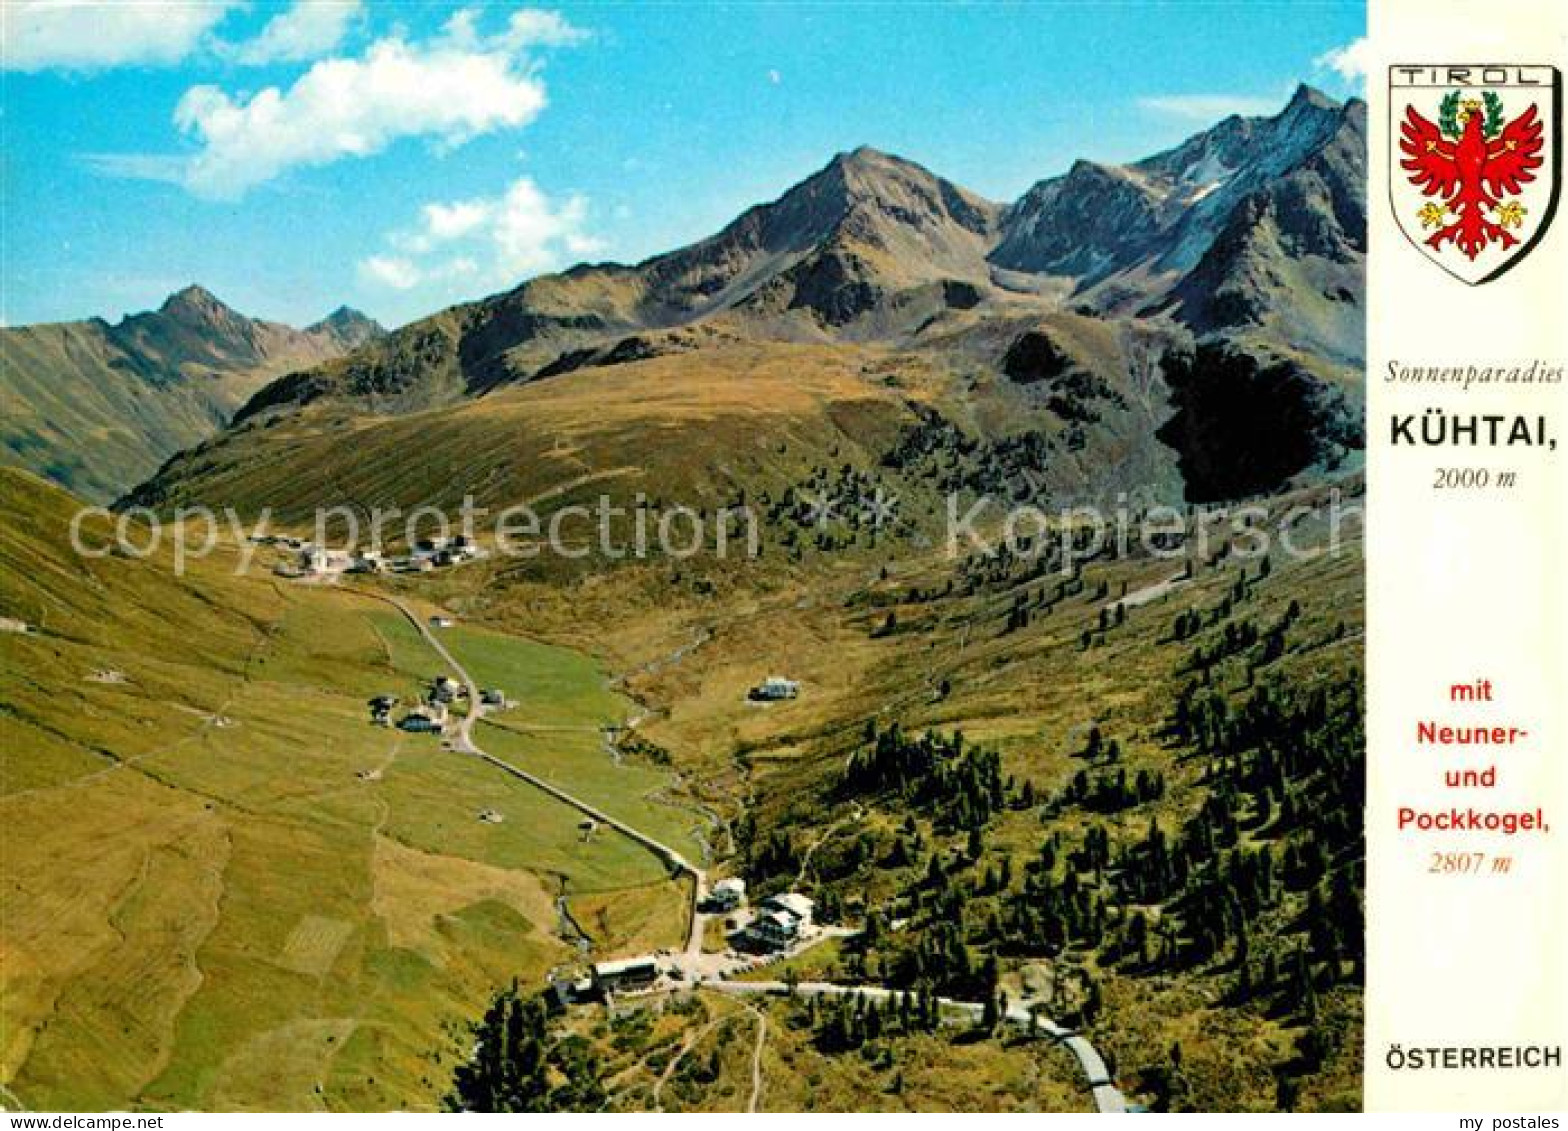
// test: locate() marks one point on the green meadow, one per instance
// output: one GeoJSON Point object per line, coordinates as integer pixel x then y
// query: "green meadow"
{"type": "Point", "coordinates": [552, 686]}
{"type": "Point", "coordinates": [579, 762]}
{"type": "Point", "coordinates": [227, 889]}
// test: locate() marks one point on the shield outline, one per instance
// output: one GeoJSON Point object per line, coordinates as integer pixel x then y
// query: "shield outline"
{"type": "Point", "coordinates": [1396, 115]}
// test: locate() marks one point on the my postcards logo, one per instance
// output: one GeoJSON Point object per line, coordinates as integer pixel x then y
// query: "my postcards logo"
{"type": "Point", "coordinates": [1474, 177]}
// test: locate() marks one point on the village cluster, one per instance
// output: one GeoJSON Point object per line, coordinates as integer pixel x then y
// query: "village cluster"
{"type": "Point", "coordinates": [431, 715]}
{"type": "Point", "coordinates": [427, 554]}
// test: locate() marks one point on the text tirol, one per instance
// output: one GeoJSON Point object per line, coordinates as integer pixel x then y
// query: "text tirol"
{"type": "Point", "coordinates": [1470, 76]}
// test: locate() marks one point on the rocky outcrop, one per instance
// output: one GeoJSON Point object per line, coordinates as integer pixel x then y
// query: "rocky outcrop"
{"type": "Point", "coordinates": [1244, 426]}
{"type": "Point", "coordinates": [1215, 231]}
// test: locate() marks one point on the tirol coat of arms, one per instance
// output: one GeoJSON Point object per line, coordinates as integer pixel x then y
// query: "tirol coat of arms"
{"type": "Point", "coordinates": [1475, 171]}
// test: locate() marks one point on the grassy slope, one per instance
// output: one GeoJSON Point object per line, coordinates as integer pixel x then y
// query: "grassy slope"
{"type": "Point", "coordinates": [697, 427]}
{"type": "Point", "coordinates": [77, 410]}
{"type": "Point", "coordinates": [62, 400]}
{"type": "Point", "coordinates": [553, 686]}
{"type": "Point", "coordinates": [688, 426]}
{"type": "Point", "coordinates": [204, 904]}
{"type": "Point", "coordinates": [697, 1054]}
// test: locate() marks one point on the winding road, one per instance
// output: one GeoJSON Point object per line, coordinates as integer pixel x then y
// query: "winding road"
{"type": "Point", "coordinates": [463, 742]}
{"type": "Point", "coordinates": [756, 1059]}
{"type": "Point", "coordinates": [1108, 1099]}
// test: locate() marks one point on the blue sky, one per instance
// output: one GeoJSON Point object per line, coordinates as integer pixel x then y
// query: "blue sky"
{"type": "Point", "coordinates": [401, 156]}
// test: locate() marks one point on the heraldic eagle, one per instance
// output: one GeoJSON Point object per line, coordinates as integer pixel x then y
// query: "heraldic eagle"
{"type": "Point", "coordinates": [1470, 162]}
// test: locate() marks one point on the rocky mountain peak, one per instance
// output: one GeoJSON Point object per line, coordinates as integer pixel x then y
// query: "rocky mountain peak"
{"type": "Point", "coordinates": [864, 157]}
{"type": "Point", "coordinates": [821, 237]}
{"type": "Point", "coordinates": [101, 405]}
{"type": "Point", "coordinates": [196, 304]}
{"type": "Point", "coordinates": [347, 327]}
{"type": "Point", "coordinates": [1307, 95]}
{"type": "Point", "coordinates": [1160, 215]}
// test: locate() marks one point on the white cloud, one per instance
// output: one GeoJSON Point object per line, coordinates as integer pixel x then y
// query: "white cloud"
{"type": "Point", "coordinates": [1349, 62]}
{"type": "Point", "coordinates": [167, 167]}
{"type": "Point", "coordinates": [449, 221]}
{"type": "Point", "coordinates": [1209, 108]}
{"type": "Point", "coordinates": [527, 27]}
{"type": "Point", "coordinates": [82, 35]}
{"type": "Point", "coordinates": [532, 235]}
{"type": "Point", "coordinates": [403, 274]}
{"type": "Point", "coordinates": [450, 89]}
{"type": "Point", "coordinates": [536, 27]}
{"type": "Point", "coordinates": [392, 271]}
{"type": "Point", "coordinates": [307, 30]}
{"type": "Point", "coordinates": [484, 241]}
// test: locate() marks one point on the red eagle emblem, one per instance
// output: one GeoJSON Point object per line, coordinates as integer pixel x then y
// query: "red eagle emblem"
{"type": "Point", "coordinates": [1471, 161]}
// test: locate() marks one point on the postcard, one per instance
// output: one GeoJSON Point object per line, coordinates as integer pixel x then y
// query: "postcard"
{"type": "Point", "coordinates": [792, 557]}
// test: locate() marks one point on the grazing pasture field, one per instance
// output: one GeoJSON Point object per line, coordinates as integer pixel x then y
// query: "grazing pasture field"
{"type": "Point", "coordinates": [224, 888]}
{"type": "Point", "coordinates": [552, 686]}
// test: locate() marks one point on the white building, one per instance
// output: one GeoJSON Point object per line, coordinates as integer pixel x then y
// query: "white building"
{"type": "Point", "coordinates": [445, 689]}
{"type": "Point", "coordinates": [317, 559]}
{"type": "Point", "coordinates": [774, 688]}
{"type": "Point", "coordinates": [429, 719]}
{"type": "Point", "coordinates": [727, 895]}
{"type": "Point", "coordinates": [781, 921]}
{"type": "Point", "coordinates": [773, 930]}
{"type": "Point", "coordinates": [793, 904]}
{"type": "Point", "coordinates": [626, 974]}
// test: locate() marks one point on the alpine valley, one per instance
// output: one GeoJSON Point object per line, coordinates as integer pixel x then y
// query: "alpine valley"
{"type": "Point", "coordinates": [1077, 826]}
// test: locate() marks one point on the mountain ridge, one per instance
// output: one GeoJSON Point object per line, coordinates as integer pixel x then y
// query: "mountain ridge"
{"type": "Point", "coordinates": [98, 406]}
{"type": "Point", "coordinates": [1168, 208]}
{"type": "Point", "coordinates": [874, 247]}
